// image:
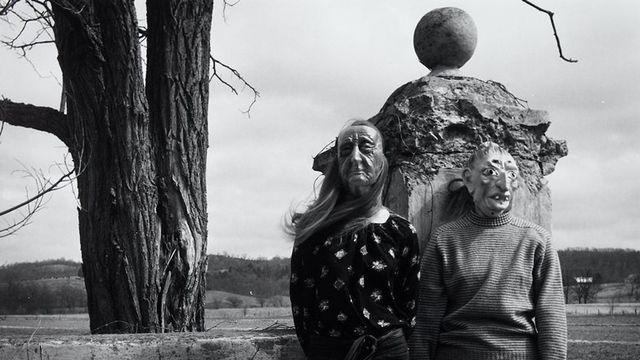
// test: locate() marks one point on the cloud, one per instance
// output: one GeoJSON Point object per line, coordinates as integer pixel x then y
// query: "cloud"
{"type": "Point", "coordinates": [595, 203]}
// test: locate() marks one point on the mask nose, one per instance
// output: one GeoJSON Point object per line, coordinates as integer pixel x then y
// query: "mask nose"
{"type": "Point", "coordinates": [355, 156]}
{"type": "Point", "coordinates": [502, 181]}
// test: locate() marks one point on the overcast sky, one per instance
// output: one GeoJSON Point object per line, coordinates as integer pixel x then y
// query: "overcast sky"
{"type": "Point", "coordinates": [318, 64]}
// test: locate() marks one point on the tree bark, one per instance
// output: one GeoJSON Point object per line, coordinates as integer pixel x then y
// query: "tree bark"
{"type": "Point", "coordinates": [140, 157]}
{"type": "Point", "coordinates": [35, 117]}
{"type": "Point", "coordinates": [178, 43]}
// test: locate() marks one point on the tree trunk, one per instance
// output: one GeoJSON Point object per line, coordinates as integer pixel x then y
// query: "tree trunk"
{"type": "Point", "coordinates": [140, 155]}
{"type": "Point", "coordinates": [178, 44]}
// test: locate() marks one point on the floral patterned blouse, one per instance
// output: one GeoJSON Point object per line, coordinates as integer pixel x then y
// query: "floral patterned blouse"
{"type": "Point", "coordinates": [351, 284]}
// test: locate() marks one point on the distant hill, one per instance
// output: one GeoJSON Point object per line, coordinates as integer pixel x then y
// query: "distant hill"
{"type": "Point", "coordinates": [268, 277]}
{"type": "Point", "coordinates": [43, 296]}
{"type": "Point", "coordinates": [53, 286]}
{"type": "Point", "coordinates": [259, 278]}
{"type": "Point", "coordinates": [46, 269]}
{"type": "Point", "coordinates": [216, 299]}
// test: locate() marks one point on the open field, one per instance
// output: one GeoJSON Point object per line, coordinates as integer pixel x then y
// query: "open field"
{"type": "Point", "coordinates": [590, 336]}
{"type": "Point", "coordinates": [604, 309]}
{"type": "Point", "coordinates": [78, 324]}
{"type": "Point", "coordinates": [604, 337]}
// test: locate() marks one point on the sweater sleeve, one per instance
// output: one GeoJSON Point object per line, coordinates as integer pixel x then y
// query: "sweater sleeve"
{"type": "Point", "coordinates": [300, 295]}
{"type": "Point", "coordinates": [550, 313]}
{"type": "Point", "coordinates": [432, 302]}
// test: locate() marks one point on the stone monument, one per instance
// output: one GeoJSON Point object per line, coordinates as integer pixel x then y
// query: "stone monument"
{"type": "Point", "coordinates": [432, 124]}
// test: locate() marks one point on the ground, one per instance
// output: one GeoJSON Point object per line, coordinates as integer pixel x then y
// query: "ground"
{"type": "Point", "coordinates": [594, 336]}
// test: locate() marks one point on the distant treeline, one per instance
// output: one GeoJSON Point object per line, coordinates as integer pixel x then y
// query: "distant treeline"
{"type": "Point", "coordinates": [42, 287]}
{"type": "Point", "coordinates": [605, 265]}
{"type": "Point", "coordinates": [23, 291]}
{"type": "Point", "coordinates": [43, 297]}
{"type": "Point", "coordinates": [261, 278]}
{"type": "Point", "coordinates": [46, 269]}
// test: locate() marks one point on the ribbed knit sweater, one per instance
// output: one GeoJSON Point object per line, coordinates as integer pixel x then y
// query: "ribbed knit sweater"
{"type": "Point", "coordinates": [490, 288]}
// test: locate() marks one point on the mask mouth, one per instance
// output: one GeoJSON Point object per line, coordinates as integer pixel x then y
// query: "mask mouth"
{"type": "Point", "coordinates": [501, 197]}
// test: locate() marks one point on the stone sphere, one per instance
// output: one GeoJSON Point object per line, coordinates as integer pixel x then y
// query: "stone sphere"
{"type": "Point", "coordinates": [445, 38]}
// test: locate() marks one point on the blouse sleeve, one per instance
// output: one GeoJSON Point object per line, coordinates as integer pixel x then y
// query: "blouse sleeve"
{"type": "Point", "coordinates": [432, 303]}
{"type": "Point", "coordinates": [550, 314]}
{"type": "Point", "coordinates": [409, 276]}
{"type": "Point", "coordinates": [300, 295]}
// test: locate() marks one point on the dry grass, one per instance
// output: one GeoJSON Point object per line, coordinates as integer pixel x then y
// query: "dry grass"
{"type": "Point", "coordinates": [590, 337]}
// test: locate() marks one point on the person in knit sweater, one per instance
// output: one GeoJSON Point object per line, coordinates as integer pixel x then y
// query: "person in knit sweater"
{"type": "Point", "coordinates": [491, 286]}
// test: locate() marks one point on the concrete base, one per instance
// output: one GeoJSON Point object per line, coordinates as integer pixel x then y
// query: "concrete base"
{"type": "Point", "coordinates": [209, 345]}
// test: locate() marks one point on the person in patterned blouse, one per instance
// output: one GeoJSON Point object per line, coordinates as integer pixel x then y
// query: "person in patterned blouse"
{"type": "Point", "coordinates": [491, 284]}
{"type": "Point", "coordinates": [355, 264]}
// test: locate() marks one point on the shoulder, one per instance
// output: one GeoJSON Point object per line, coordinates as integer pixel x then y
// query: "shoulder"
{"type": "Point", "coordinates": [537, 236]}
{"type": "Point", "coordinates": [453, 226]}
{"type": "Point", "coordinates": [532, 228]}
{"type": "Point", "coordinates": [400, 231]}
{"type": "Point", "coordinates": [400, 223]}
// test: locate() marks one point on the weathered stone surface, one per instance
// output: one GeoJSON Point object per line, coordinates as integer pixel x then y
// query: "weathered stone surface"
{"type": "Point", "coordinates": [247, 345]}
{"type": "Point", "coordinates": [432, 125]}
{"type": "Point", "coordinates": [436, 122]}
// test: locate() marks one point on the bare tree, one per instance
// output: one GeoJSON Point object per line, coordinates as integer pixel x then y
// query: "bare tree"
{"type": "Point", "coordinates": [261, 300]}
{"type": "Point", "coordinates": [586, 287]}
{"type": "Point", "coordinates": [567, 285]}
{"type": "Point", "coordinates": [140, 140]}
{"type": "Point", "coordinates": [235, 302]}
{"type": "Point", "coordinates": [632, 282]}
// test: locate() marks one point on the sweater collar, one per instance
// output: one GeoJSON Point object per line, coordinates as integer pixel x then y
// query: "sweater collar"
{"type": "Point", "coordinates": [485, 221]}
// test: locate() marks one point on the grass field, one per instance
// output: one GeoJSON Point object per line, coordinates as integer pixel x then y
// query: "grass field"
{"type": "Point", "coordinates": [591, 337]}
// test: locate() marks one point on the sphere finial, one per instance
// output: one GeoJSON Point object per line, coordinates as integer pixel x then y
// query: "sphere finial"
{"type": "Point", "coordinates": [444, 40]}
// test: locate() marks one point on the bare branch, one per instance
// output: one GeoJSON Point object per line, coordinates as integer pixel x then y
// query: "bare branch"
{"type": "Point", "coordinates": [29, 45]}
{"type": "Point", "coordinates": [5, 9]}
{"type": "Point", "coordinates": [28, 208]}
{"type": "Point", "coordinates": [25, 220]}
{"type": "Point", "coordinates": [555, 32]}
{"type": "Point", "coordinates": [35, 21]}
{"type": "Point", "coordinates": [226, 3]}
{"type": "Point", "coordinates": [52, 187]}
{"type": "Point", "coordinates": [142, 33]}
{"type": "Point", "coordinates": [35, 117]}
{"type": "Point", "coordinates": [237, 74]}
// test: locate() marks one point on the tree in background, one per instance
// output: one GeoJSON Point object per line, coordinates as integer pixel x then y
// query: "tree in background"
{"type": "Point", "coordinates": [632, 282]}
{"type": "Point", "coordinates": [138, 138]}
{"type": "Point", "coordinates": [567, 283]}
{"type": "Point", "coordinates": [234, 301]}
{"type": "Point", "coordinates": [586, 286]}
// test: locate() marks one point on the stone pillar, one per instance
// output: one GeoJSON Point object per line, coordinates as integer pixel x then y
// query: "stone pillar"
{"type": "Point", "coordinates": [432, 125]}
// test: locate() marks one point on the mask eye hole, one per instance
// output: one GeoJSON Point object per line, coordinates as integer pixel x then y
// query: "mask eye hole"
{"type": "Point", "coordinates": [367, 147]}
{"type": "Point", "coordinates": [512, 175]}
{"type": "Point", "coordinates": [489, 172]}
{"type": "Point", "coordinates": [345, 150]}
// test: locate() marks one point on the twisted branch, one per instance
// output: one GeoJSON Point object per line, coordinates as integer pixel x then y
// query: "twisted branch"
{"type": "Point", "coordinates": [555, 32]}
{"type": "Point", "coordinates": [237, 74]}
